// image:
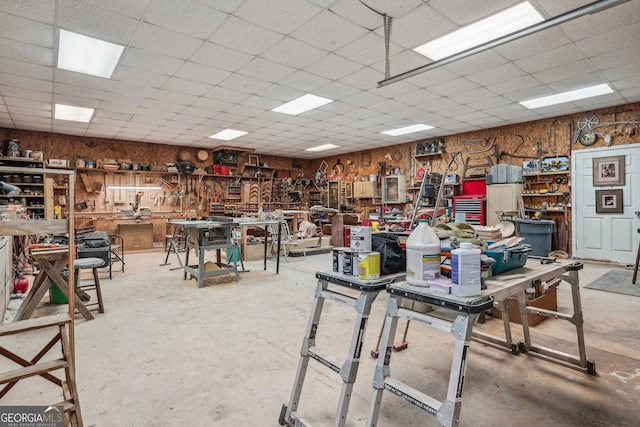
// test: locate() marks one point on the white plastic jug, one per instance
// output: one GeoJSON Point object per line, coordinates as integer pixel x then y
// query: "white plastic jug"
{"type": "Point", "coordinates": [465, 271]}
{"type": "Point", "coordinates": [423, 255]}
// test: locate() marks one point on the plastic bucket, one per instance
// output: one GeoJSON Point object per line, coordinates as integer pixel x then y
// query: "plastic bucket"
{"type": "Point", "coordinates": [56, 296]}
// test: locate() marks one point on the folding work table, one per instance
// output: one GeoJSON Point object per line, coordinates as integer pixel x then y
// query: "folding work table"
{"type": "Point", "coordinates": [466, 310]}
{"type": "Point", "coordinates": [348, 369]}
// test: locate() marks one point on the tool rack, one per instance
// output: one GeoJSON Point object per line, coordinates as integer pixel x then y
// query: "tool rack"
{"type": "Point", "coordinates": [348, 369]}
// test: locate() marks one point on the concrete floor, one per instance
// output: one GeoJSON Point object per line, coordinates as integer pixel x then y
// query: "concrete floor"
{"type": "Point", "coordinates": [166, 353]}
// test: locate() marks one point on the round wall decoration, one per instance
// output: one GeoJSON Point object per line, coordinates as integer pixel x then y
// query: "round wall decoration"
{"type": "Point", "coordinates": [203, 155]}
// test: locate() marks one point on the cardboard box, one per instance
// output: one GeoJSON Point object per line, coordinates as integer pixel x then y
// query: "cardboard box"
{"type": "Point", "coordinates": [59, 163]}
{"type": "Point", "coordinates": [549, 301]}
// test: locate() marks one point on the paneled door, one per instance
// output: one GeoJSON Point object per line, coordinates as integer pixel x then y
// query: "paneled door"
{"type": "Point", "coordinates": [605, 236]}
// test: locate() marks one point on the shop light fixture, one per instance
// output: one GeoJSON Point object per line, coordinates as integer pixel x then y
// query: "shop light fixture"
{"type": "Point", "coordinates": [572, 95]}
{"type": "Point", "coordinates": [74, 114]}
{"type": "Point", "coordinates": [135, 187]}
{"type": "Point", "coordinates": [322, 147]}
{"type": "Point", "coordinates": [302, 104]}
{"type": "Point", "coordinates": [228, 134]}
{"type": "Point", "coordinates": [407, 129]}
{"type": "Point", "coordinates": [87, 55]}
{"type": "Point", "coordinates": [483, 31]}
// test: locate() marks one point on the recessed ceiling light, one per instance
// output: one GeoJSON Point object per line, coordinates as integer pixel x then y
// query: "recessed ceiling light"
{"type": "Point", "coordinates": [75, 114]}
{"type": "Point", "coordinates": [485, 30]}
{"type": "Point", "coordinates": [300, 105]}
{"type": "Point", "coordinates": [228, 134]}
{"type": "Point", "coordinates": [322, 147]}
{"type": "Point", "coordinates": [407, 129]}
{"type": "Point", "coordinates": [87, 55]}
{"type": "Point", "coordinates": [572, 95]}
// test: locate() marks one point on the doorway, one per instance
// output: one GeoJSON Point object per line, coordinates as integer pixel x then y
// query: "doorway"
{"type": "Point", "coordinates": [601, 232]}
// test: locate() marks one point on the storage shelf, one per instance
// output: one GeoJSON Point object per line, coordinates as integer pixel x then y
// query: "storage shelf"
{"type": "Point", "coordinates": [26, 184]}
{"type": "Point", "coordinates": [541, 194]}
{"type": "Point", "coordinates": [428, 154]}
{"type": "Point", "coordinates": [547, 173]}
{"type": "Point", "coordinates": [26, 196]}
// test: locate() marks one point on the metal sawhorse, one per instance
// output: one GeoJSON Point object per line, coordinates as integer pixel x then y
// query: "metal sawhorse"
{"type": "Point", "coordinates": [348, 370]}
{"type": "Point", "coordinates": [447, 412]}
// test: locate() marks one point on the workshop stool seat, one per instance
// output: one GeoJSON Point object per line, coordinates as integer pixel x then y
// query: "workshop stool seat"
{"type": "Point", "coordinates": [80, 290]}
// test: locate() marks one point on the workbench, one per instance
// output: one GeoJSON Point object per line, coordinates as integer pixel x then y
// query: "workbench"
{"type": "Point", "coordinates": [205, 235]}
{"type": "Point", "coordinates": [466, 311]}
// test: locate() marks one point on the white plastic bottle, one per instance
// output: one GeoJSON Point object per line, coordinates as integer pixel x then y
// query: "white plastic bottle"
{"type": "Point", "coordinates": [465, 271]}
{"type": "Point", "coordinates": [423, 255]}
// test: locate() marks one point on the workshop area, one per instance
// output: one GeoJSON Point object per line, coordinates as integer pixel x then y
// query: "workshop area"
{"type": "Point", "coordinates": [319, 212]}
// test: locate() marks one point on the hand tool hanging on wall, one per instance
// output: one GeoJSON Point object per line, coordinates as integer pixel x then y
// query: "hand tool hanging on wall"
{"type": "Point", "coordinates": [479, 145]}
{"type": "Point", "coordinates": [453, 164]}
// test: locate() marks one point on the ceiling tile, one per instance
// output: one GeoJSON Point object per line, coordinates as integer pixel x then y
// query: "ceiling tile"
{"type": "Point", "coordinates": [304, 81]}
{"type": "Point", "coordinates": [241, 35]}
{"type": "Point", "coordinates": [187, 87]}
{"type": "Point", "coordinates": [165, 42]}
{"type": "Point", "coordinates": [420, 26]}
{"type": "Point", "coordinates": [328, 31]}
{"type": "Point", "coordinates": [131, 8]}
{"type": "Point", "coordinates": [292, 14]}
{"type": "Point", "coordinates": [26, 52]}
{"type": "Point", "coordinates": [95, 21]}
{"type": "Point", "coordinates": [304, 53]}
{"type": "Point", "coordinates": [171, 96]}
{"type": "Point", "coordinates": [453, 87]}
{"type": "Point", "coordinates": [239, 83]}
{"type": "Point", "coordinates": [263, 69]}
{"type": "Point", "coordinates": [217, 56]}
{"type": "Point", "coordinates": [333, 67]}
{"type": "Point", "coordinates": [150, 61]}
{"type": "Point", "coordinates": [184, 16]}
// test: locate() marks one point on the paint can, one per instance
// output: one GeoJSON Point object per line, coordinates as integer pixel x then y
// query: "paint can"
{"type": "Point", "coordinates": [369, 265]}
{"type": "Point", "coordinates": [360, 238]}
{"type": "Point", "coordinates": [338, 260]}
{"type": "Point", "coordinates": [348, 264]}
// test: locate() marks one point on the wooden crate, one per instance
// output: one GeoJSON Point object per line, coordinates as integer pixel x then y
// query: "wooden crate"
{"type": "Point", "coordinates": [549, 300]}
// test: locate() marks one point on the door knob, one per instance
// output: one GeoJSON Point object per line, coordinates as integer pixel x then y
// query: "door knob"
{"type": "Point", "coordinates": [637, 213]}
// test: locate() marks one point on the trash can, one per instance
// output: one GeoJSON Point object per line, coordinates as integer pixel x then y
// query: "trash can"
{"type": "Point", "coordinates": [537, 233]}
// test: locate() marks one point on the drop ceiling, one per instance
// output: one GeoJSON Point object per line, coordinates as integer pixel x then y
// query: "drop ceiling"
{"type": "Point", "coordinates": [192, 68]}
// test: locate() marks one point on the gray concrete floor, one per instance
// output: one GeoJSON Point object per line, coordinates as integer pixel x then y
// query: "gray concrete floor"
{"type": "Point", "coordinates": [166, 353]}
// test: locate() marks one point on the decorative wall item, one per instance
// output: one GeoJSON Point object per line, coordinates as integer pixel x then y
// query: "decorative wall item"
{"type": "Point", "coordinates": [609, 201]}
{"type": "Point", "coordinates": [608, 171]}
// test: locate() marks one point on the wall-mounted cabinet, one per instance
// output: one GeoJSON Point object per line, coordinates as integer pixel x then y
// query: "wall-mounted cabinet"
{"type": "Point", "coordinates": [338, 193]}
{"type": "Point", "coordinates": [365, 190]}
{"type": "Point", "coordinates": [394, 189]}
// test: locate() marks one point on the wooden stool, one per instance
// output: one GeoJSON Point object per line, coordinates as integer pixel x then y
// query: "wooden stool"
{"type": "Point", "coordinates": [80, 290]}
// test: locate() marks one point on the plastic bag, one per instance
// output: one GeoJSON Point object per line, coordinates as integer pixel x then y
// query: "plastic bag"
{"type": "Point", "coordinates": [393, 258]}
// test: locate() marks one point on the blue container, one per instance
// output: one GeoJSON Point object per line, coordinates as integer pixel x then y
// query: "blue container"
{"type": "Point", "coordinates": [537, 233]}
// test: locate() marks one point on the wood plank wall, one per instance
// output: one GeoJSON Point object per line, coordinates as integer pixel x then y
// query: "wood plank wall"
{"type": "Point", "coordinates": [537, 139]}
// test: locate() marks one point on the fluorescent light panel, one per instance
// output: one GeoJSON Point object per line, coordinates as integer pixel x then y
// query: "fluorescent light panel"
{"type": "Point", "coordinates": [303, 104]}
{"type": "Point", "coordinates": [74, 114]}
{"type": "Point", "coordinates": [87, 55]}
{"type": "Point", "coordinates": [228, 134]}
{"type": "Point", "coordinates": [572, 95]}
{"type": "Point", "coordinates": [407, 129]}
{"type": "Point", "coordinates": [483, 31]}
{"type": "Point", "coordinates": [322, 147]}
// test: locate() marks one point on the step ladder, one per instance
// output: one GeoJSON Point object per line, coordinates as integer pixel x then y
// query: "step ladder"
{"type": "Point", "coordinates": [348, 369]}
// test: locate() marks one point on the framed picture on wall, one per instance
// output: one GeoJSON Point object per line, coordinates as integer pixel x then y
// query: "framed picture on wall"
{"type": "Point", "coordinates": [609, 201]}
{"type": "Point", "coordinates": [608, 171]}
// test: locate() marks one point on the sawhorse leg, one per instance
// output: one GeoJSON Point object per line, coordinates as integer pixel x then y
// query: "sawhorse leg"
{"type": "Point", "coordinates": [347, 370]}
{"type": "Point", "coordinates": [447, 412]}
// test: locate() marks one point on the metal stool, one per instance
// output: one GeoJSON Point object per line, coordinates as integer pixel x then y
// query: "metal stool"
{"type": "Point", "coordinates": [80, 290]}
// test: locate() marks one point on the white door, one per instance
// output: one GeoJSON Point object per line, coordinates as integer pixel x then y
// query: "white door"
{"type": "Point", "coordinates": [605, 236]}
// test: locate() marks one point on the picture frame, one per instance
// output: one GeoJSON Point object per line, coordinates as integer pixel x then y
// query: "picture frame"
{"type": "Point", "coordinates": [608, 171]}
{"type": "Point", "coordinates": [253, 160]}
{"type": "Point", "coordinates": [609, 201]}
